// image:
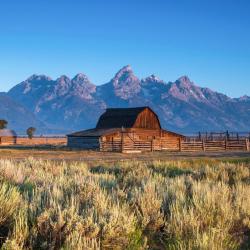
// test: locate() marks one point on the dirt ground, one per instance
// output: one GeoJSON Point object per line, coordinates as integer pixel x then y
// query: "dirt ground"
{"type": "Point", "coordinates": [20, 153]}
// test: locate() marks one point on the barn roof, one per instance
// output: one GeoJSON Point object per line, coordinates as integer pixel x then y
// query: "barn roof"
{"type": "Point", "coordinates": [101, 132]}
{"type": "Point", "coordinates": [95, 132]}
{"type": "Point", "coordinates": [120, 117]}
{"type": "Point", "coordinates": [7, 133]}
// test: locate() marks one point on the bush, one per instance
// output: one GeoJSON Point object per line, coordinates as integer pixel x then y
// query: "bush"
{"type": "Point", "coordinates": [128, 205]}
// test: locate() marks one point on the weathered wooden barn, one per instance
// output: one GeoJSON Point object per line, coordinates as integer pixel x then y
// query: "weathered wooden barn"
{"type": "Point", "coordinates": [7, 137]}
{"type": "Point", "coordinates": [126, 130]}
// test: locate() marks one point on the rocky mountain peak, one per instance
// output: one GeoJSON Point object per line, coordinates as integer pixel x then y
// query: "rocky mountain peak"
{"type": "Point", "coordinates": [244, 98]}
{"type": "Point", "coordinates": [184, 89]}
{"type": "Point", "coordinates": [36, 77]}
{"type": "Point", "coordinates": [124, 70]}
{"type": "Point", "coordinates": [82, 87]}
{"type": "Point", "coordinates": [184, 82]}
{"type": "Point", "coordinates": [81, 79]}
{"type": "Point", "coordinates": [63, 79]}
{"type": "Point", "coordinates": [152, 79]}
{"type": "Point", "coordinates": [125, 83]}
{"type": "Point", "coordinates": [125, 75]}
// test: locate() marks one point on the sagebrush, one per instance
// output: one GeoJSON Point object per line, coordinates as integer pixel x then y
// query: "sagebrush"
{"type": "Point", "coordinates": [200, 204]}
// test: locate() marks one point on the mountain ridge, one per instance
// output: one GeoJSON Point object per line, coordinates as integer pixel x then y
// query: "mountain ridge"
{"type": "Point", "coordinates": [76, 103]}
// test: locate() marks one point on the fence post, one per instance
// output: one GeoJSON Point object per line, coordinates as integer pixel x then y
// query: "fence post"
{"type": "Point", "coordinates": [180, 144]}
{"type": "Point", "coordinates": [247, 144]}
{"type": "Point", "coordinates": [100, 143]}
{"type": "Point", "coordinates": [203, 145]}
{"type": "Point", "coordinates": [152, 145]}
{"type": "Point", "coordinates": [225, 144]}
{"type": "Point", "coordinates": [122, 142]}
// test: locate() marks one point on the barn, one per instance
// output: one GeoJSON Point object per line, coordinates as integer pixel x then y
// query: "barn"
{"type": "Point", "coordinates": [7, 137]}
{"type": "Point", "coordinates": [126, 130]}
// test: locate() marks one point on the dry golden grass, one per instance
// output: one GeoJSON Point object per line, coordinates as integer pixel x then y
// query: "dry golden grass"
{"type": "Point", "coordinates": [192, 204]}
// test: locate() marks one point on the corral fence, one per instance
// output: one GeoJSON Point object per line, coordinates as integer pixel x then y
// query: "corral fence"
{"type": "Point", "coordinates": [218, 136]}
{"type": "Point", "coordinates": [46, 140]}
{"type": "Point", "coordinates": [206, 142]}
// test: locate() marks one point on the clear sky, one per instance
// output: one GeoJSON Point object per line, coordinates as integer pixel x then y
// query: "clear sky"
{"type": "Point", "coordinates": [207, 40]}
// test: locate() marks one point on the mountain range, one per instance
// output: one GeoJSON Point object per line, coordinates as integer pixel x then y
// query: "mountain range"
{"type": "Point", "coordinates": [64, 105]}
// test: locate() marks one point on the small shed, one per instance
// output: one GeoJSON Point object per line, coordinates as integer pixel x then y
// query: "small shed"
{"type": "Point", "coordinates": [7, 137]}
{"type": "Point", "coordinates": [126, 130]}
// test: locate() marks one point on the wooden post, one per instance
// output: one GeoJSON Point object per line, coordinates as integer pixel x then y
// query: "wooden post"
{"type": "Point", "coordinates": [100, 144]}
{"type": "Point", "coordinates": [247, 145]}
{"type": "Point", "coordinates": [152, 145]}
{"type": "Point", "coordinates": [203, 145]}
{"type": "Point", "coordinates": [226, 144]}
{"type": "Point", "coordinates": [122, 142]}
{"type": "Point", "coordinates": [161, 140]}
{"type": "Point", "coordinates": [180, 144]}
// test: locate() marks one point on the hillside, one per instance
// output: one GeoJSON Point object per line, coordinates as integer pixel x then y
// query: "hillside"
{"type": "Point", "coordinates": [18, 116]}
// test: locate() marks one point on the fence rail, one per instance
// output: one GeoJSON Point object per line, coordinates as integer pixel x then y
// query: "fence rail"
{"type": "Point", "coordinates": [226, 135]}
{"type": "Point", "coordinates": [41, 141]}
{"type": "Point", "coordinates": [176, 145]}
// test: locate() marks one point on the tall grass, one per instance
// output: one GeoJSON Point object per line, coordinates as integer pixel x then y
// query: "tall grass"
{"type": "Point", "coordinates": [126, 205]}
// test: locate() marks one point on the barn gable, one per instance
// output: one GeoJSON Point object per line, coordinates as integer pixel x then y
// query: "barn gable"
{"type": "Point", "coordinates": [142, 117]}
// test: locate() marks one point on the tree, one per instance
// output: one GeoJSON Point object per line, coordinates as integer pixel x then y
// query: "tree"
{"type": "Point", "coordinates": [3, 124]}
{"type": "Point", "coordinates": [30, 132]}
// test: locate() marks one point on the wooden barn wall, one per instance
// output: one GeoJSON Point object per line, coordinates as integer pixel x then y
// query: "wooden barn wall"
{"type": "Point", "coordinates": [141, 140]}
{"type": "Point", "coordinates": [148, 120]}
{"type": "Point", "coordinates": [7, 140]}
{"type": "Point", "coordinates": [83, 142]}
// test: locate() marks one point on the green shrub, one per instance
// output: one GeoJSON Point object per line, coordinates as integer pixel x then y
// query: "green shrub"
{"type": "Point", "coordinates": [197, 204]}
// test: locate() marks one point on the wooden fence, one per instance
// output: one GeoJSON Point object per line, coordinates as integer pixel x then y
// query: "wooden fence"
{"type": "Point", "coordinates": [223, 145]}
{"type": "Point", "coordinates": [175, 144]}
{"type": "Point", "coordinates": [41, 141]}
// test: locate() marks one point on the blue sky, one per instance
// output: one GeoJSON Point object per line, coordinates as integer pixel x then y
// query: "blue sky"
{"type": "Point", "coordinates": [207, 40]}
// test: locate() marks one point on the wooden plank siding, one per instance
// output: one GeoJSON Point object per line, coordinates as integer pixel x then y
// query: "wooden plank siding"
{"type": "Point", "coordinates": [84, 142]}
{"type": "Point", "coordinates": [140, 140]}
{"type": "Point", "coordinates": [8, 140]}
{"type": "Point", "coordinates": [147, 120]}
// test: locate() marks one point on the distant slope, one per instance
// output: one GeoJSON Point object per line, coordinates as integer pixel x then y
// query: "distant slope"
{"type": "Point", "coordinates": [72, 104]}
{"type": "Point", "coordinates": [19, 118]}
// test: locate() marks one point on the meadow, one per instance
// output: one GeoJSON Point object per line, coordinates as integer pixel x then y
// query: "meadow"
{"type": "Point", "coordinates": [167, 204]}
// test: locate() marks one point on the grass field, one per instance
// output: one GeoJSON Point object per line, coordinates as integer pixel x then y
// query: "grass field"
{"type": "Point", "coordinates": [123, 203]}
{"type": "Point", "coordinates": [61, 153]}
